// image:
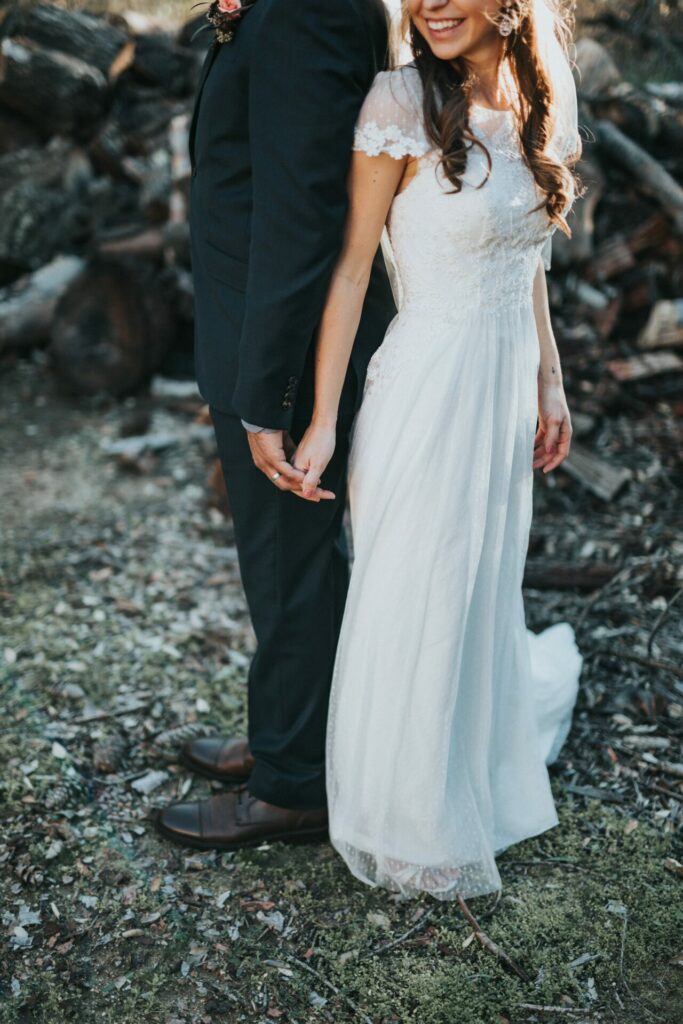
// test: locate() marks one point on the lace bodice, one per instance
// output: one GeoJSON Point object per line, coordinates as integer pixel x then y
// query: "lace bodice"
{"type": "Point", "coordinates": [453, 252]}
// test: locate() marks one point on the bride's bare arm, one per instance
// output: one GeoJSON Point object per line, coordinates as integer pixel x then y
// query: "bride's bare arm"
{"type": "Point", "coordinates": [553, 437]}
{"type": "Point", "coordinates": [373, 183]}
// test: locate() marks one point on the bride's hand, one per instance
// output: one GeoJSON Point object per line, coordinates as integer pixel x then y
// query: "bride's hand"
{"type": "Point", "coordinates": [313, 455]}
{"type": "Point", "coordinates": [554, 434]}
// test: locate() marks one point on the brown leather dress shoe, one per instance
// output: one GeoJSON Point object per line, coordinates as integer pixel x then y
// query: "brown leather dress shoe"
{"type": "Point", "coordinates": [219, 757]}
{"type": "Point", "coordinates": [232, 820]}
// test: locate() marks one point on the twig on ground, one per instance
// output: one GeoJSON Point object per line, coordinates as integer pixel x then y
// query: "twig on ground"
{"type": "Point", "coordinates": [98, 716]}
{"type": "Point", "coordinates": [619, 577]}
{"type": "Point", "coordinates": [487, 943]}
{"type": "Point", "coordinates": [328, 984]}
{"type": "Point", "coordinates": [401, 938]}
{"type": "Point", "coordinates": [554, 1009]}
{"type": "Point", "coordinates": [660, 666]}
{"type": "Point", "coordinates": [660, 619]}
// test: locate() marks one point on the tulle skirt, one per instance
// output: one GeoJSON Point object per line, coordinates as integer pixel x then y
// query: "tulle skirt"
{"type": "Point", "coordinates": [445, 709]}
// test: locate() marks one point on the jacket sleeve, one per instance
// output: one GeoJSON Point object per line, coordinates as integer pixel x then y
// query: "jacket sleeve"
{"type": "Point", "coordinates": [311, 69]}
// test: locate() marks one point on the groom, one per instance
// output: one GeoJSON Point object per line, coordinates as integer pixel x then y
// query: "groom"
{"type": "Point", "coordinates": [270, 146]}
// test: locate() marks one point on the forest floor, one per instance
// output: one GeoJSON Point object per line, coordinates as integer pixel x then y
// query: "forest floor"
{"type": "Point", "coordinates": [124, 630]}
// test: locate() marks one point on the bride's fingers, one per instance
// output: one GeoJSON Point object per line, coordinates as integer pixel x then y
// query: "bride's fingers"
{"type": "Point", "coordinates": [541, 460]}
{"type": "Point", "coordinates": [312, 479]}
{"type": "Point", "coordinates": [562, 450]}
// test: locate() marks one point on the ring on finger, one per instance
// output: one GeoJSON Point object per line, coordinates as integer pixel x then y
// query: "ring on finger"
{"type": "Point", "coordinates": [276, 476]}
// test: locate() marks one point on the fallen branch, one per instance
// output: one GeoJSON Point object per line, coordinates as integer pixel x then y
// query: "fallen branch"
{"type": "Point", "coordinates": [553, 1009]}
{"type": "Point", "coordinates": [660, 619]}
{"type": "Point", "coordinates": [649, 173]}
{"type": "Point", "coordinates": [401, 938]}
{"type": "Point", "coordinates": [487, 943]}
{"type": "Point", "coordinates": [328, 984]}
{"type": "Point", "coordinates": [638, 659]}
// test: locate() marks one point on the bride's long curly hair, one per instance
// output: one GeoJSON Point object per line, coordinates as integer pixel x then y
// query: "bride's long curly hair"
{"type": "Point", "coordinates": [447, 86]}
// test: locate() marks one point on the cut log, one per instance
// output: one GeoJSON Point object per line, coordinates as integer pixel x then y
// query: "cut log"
{"type": "Point", "coordinates": [143, 115]}
{"type": "Point", "coordinates": [35, 224]}
{"type": "Point", "coordinates": [641, 288]}
{"type": "Point", "coordinates": [155, 190]}
{"type": "Point", "coordinates": [90, 38]}
{"type": "Point", "coordinates": [613, 257]}
{"type": "Point", "coordinates": [651, 233]}
{"type": "Point", "coordinates": [597, 71]}
{"type": "Point", "coordinates": [108, 149]}
{"type": "Point", "coordinates": [111, 329]}
{"type": "Point", "coordinates": [27, 308]}
{"type": "Point", "coordinates": [58, 164]}
{"type": "Point", "coordinates": [148, 243]}
{"type": "Point", "coordinates": [590, 576]}
{"type": "Point", "coordinates": [160, 62]}
{"type": "Point", "coordinates": [665, 326]}
{"type": "Point", "coordinates": [650, 174]}
{"type": "Point", "coordinates": [641, 367]}
{"type": "Point", "coordinates": [596, 474]}
{"type": "Point", "coordinates": [61, 94]}
{"type": "Point", "coordinates": [16, 132]}
{"type": "Point", "coordinates": [151, 243]}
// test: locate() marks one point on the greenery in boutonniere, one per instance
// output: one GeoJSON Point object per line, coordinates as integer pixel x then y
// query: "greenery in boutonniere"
{"type": "Point", "coordinates": [224, 15]}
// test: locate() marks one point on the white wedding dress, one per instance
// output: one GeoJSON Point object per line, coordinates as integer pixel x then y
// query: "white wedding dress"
{"type": "Point", "coordinates": [445, 709]}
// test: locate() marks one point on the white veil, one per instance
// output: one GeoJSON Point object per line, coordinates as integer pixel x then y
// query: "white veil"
{"type": "Point", "coordinates": [565, 138]}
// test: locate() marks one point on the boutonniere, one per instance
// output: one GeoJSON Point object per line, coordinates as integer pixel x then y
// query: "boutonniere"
{"type": "Point", "coordinates": [224, 15]}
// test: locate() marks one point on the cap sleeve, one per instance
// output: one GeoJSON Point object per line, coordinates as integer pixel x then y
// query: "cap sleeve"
{"type": "Point", "coordinates": [390, 120]}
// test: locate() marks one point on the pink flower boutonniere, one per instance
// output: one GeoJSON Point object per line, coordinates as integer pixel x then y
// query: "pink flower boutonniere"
{"type": "Point", "coordinates": [224, 15]}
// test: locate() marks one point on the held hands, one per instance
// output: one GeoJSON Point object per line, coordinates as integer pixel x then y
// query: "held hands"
{"type": "Point", "coordinates": [313, 455]}
{"type": "Point", "coordinates": [553, 437]}
{"type": "Point", "coordinates": [271, 454]}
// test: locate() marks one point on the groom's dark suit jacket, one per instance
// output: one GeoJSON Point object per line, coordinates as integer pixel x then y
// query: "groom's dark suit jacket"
{"type": "Point", "coordinates": [270, 145]}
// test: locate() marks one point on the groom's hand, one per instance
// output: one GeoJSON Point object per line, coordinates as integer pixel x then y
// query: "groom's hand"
{"type": "Point", "coordinates": [269, 455]}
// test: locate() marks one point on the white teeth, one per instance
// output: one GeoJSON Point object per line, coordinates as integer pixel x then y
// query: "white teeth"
{"type": "Point", "coordinates": [439, 26]}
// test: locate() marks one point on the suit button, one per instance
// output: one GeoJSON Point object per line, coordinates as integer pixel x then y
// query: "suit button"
{"type": "Point", "coordinates": [194, 172]}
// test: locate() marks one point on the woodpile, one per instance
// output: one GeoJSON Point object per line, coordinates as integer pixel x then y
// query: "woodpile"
{"type": "Point", "coordinates": [94, 255]}
{"type": "Point", "coordinates": [617, 284]}
{"type": "Point", "coordinates": [94, 170]}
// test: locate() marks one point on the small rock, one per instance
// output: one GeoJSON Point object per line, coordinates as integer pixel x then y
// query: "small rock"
{"type": "Point", "coordinates": [21, 938]}
{"type": "Point", "coordinates": [27, 916]}
{"type": "Point", "coordinates": [274, 920]}
{"type": "Point", "coordinates": [149, 782]}
{"type": "Point", "coordinates": [73, 691]}
{"type": "Point", "coordinates": [54, 849]}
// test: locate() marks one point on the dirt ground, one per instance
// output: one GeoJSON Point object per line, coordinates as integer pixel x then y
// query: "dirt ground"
{"type": "Point", "coordinates": [124, 630]}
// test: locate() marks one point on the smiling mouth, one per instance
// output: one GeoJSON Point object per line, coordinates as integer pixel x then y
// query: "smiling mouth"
{"type": "Point", "coordinates": [444, 25]}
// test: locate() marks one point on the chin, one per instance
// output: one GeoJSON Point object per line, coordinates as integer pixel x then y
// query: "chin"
{"type": "Point", "coordinates": [445, 52]}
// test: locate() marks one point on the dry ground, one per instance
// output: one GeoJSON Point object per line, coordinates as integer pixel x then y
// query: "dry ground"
{"type": "Point", "coordinates": [124, 629]}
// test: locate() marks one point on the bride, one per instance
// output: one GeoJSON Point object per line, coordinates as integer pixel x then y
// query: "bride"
{"type": "Point", "coordinates": [445, 709]}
